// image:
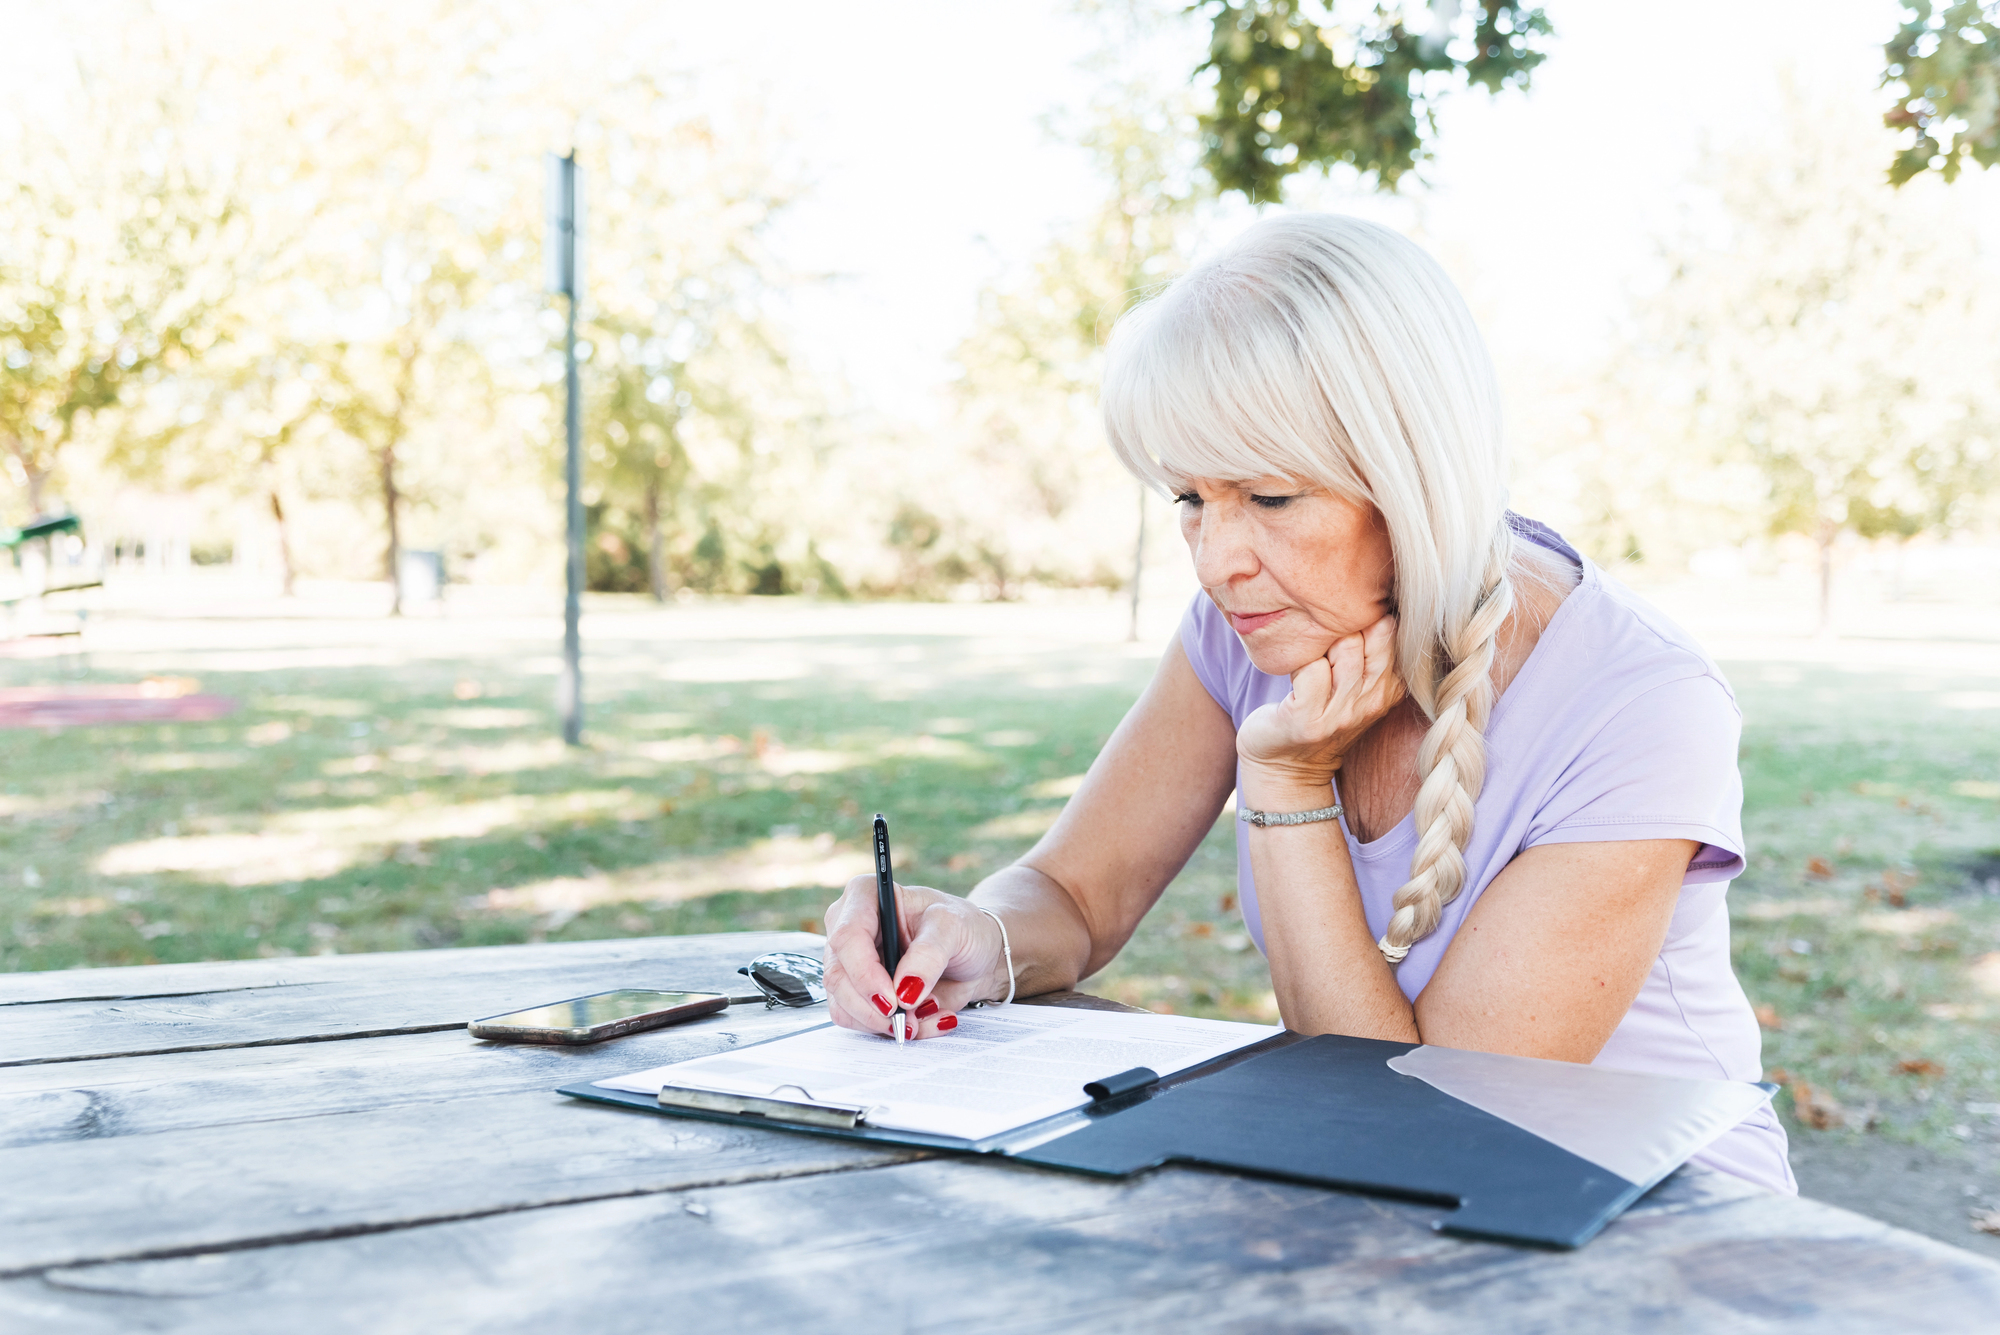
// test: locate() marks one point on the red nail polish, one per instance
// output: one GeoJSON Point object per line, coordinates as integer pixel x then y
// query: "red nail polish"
{"type": "Point", "coordinates": [948, 1022]}
{"type": "Point", "coordinates": [910, 989]}
{"type": "Point", "coordinates": [928, 1009]}
{"type": "Point", "coordinates": [882, 1003]}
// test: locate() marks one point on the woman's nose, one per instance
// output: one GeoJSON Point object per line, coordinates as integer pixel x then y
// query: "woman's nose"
{"type": "Point", "coordinates": [1222, 549]}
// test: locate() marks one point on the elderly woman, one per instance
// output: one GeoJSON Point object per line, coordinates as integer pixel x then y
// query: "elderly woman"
{"type": "Point", "coordinates": [1487, 797]}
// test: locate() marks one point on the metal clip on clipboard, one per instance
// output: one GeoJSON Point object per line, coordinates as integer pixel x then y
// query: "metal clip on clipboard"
{"type": "Point", "coordinates": [805, 1112]}
{"type": "Point", "coordinates": [809, 1111]}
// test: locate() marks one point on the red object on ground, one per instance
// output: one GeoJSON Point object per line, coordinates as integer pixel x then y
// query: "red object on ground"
{"type": "Point", "coordinates": [152, 701]}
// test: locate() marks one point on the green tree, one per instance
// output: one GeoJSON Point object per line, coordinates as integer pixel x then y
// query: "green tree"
{"type": "Point", "coordinates": [1035, 485]}
{"type": "Point", "coordinates": [411, 234]}
{"type": "Point", "coordinates": [114, 245]}
{"type": "Point", "coordinates": [1943, 66]}
{"type": "Point", "coordinates": [1833, 333]}
{"type": "Point", "coordinates": [1302, 83]}
{"type": "Point", "coordinates": [684, 356]}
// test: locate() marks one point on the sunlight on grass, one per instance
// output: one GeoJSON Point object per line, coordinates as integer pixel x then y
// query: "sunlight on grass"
{"type": "Point", "coordinates": [369, 799]}
{"type": "Point", "coordinates": [478, 717]}
{"type": "Point", "coordinates": [1020, 825]}
{"type": "Point", "coordinates": [785, 863]}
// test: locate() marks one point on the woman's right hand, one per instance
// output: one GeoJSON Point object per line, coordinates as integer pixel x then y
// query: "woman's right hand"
{"type": "Point", "coordinates": [952, 957]}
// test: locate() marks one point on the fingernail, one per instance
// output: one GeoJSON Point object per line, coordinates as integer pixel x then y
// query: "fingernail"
{"type": "Point", "coordinates": [928, 1009]}
{"type": "Point", "coordinates": [882, 1003]}
{"type": "Point", "coordinates": [948, 1022]}
{"type": "Point", "coordinates": [910, 989]}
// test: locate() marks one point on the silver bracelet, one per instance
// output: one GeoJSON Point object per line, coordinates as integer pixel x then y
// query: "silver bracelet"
{"type": "Point", "coordinates": [1290, 817]}
{"type": "Point", "coordinates": [1006, 950]}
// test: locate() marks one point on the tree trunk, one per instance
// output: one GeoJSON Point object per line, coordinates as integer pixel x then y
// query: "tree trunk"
{"type": "Point", "coordinates": [38, 480]}
{"type": "Point", "coordinates": [391, 507]}
{"type": "Point", "coordinates": [656, 551]}
{"type": "Point", "coordinates": [1828, 531]}
{"type": "Point", "coordinates": [284, 543]}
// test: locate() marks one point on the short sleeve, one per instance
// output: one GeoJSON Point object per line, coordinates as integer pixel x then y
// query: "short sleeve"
{"type": "Point", "coordinates": [1662, 767]}
{"type": "Point", "coordinates": [1214, 652]}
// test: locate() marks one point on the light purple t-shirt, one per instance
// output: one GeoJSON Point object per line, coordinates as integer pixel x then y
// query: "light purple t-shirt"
{"type": "Point", "coordinates": [1617, 727]}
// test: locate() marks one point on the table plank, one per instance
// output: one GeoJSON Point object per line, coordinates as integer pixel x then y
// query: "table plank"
{"type": "Point", "coordinates": [172, 980]}
{"type": "Point", "coordinates": [949, 1244]}
{"type": "Point", "coordinates": [317, 1174]}
{"type": "Point", "coordinates": [46, 1102]}
{"type": "Point", "coordinates": [394, 993]}
{"type": "Point", "coordinates": [124, 1096]}
{"type": "Point", "coordinates": [135, 1154]}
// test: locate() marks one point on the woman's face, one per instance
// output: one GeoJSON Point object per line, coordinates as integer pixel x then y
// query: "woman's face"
{"type": "Point", "coordinates": [1293, 566]}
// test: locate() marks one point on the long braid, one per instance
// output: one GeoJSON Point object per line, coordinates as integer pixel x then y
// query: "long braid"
{"type": "Point", "coordinates": [1452, 765]}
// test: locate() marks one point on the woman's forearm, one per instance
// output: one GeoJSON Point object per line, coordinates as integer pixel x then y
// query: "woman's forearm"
{"type": "Point", "coordinates": [1329, 976]}
{"type": "Point", "coordinates": [1050, 938]}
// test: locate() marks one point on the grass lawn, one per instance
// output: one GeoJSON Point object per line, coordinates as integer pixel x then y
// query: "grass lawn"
{"type": "Point", "coordinates": [396, 787]}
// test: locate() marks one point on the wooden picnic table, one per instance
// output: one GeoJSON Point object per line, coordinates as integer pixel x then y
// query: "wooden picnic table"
{"type": "Point", "coordinates": [317, 1144]}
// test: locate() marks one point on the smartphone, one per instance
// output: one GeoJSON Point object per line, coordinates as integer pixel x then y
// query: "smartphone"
{"type": "Point", "coordinates": [599, 1016]}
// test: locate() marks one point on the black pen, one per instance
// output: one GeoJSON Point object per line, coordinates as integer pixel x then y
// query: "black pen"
{"type": "Point", "coordinates": [890, 935]}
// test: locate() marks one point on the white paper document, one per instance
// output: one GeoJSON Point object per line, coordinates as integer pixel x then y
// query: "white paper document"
{"type": "Point", "coordinates": [1000, 1069]}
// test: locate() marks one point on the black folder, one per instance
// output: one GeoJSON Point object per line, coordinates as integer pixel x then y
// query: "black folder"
{"type": "Point", "coordinates": [1325, 1110]}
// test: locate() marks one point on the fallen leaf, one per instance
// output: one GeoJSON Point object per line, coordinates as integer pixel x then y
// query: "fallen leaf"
{"type": "Point", "coordinates": [1200, 929]}
{"type": "Point", "coordinates": [1819, 868]}
{"type": "Point", "coordinates": [1893, 886]}
{"type": "Point", "coordinates": [961, 861]}
{"type": "Point", "coordinates": [1229, 902]}
{"type": "Point", "coordinates": [1778, 1075]}
{"type": "Point", "coordinates": [1985, 1221]}
{"type": "Point", "coordinates": [809, 925]}
{"type": "Point", "coordinates": [1819, 1111]}
{"type": "Point", "coordinates": [1919, 1066]}
{"type": "Point", "coordinates": [1768, 1017]}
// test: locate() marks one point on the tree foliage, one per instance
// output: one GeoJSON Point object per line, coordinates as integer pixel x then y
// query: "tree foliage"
{"type": "Point", "coordinates": [1038, 497]}
{"type": "Point", "coordinates": [690, 399]}
{"type": "Point", "coordinates": [1303, 83]}
{"type": "Point", "coordinates": [1833, 334]}
{"type": "Point", "coordinates": [1943, 66]}
{"type": "Point", "coordinates": [113, 273]}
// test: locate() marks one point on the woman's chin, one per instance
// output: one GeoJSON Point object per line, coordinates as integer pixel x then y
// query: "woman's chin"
{"type": "Point", "coordinates": [1284, 656]}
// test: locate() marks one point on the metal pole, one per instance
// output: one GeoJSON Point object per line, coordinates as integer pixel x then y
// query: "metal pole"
{"type": "Point", "coordinates": [570, 693]}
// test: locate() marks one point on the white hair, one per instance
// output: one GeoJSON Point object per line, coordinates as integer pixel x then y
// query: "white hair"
{"type": "Point", "coordinates": [1326, 349]}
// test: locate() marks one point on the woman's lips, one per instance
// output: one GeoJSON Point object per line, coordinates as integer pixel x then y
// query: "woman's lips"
{"type": "Point", "coordinates": [1243, 623]}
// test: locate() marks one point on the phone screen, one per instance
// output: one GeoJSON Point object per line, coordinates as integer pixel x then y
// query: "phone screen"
{"type": "Point", "coordinates": [588, 1012]}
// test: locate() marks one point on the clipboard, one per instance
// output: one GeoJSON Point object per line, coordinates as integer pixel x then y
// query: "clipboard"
{"type": "Point", "coordinates": [1326, 1110]}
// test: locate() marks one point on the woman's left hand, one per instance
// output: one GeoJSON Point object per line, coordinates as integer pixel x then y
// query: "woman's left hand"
{"type": "Point", "coordinates": [1295, 745]}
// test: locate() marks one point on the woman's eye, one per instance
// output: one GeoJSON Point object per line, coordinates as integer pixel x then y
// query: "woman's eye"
{"type": "Point", "coordinates": [1187, 498]}
{"type": "Point", "coordinates": [1273, 502]}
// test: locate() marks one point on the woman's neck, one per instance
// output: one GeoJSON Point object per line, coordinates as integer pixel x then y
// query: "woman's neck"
{"type": "Point", "coordinates": [1378, 779]}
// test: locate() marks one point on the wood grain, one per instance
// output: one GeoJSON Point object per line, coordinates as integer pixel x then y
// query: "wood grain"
{"type": "Point", "coordinates": [949, 1245]}
{"type": "Point", "coordinates": [221, 1186]}
{"type": "Point", "coordinates": [182, 1153]}
{"type": "Point", "coordinates": [399, 993]}
{"type": "Point", "coordinates": [172, 980]}
{"type": "Point", "coordinates": [124, 1096]}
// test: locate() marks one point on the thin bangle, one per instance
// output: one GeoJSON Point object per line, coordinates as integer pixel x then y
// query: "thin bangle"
{"type": "Point", "coordinates": [1006, 950]}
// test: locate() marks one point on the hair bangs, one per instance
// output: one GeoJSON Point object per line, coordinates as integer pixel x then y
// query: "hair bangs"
{"type": "Point", "coordinates": [1208, 380]}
